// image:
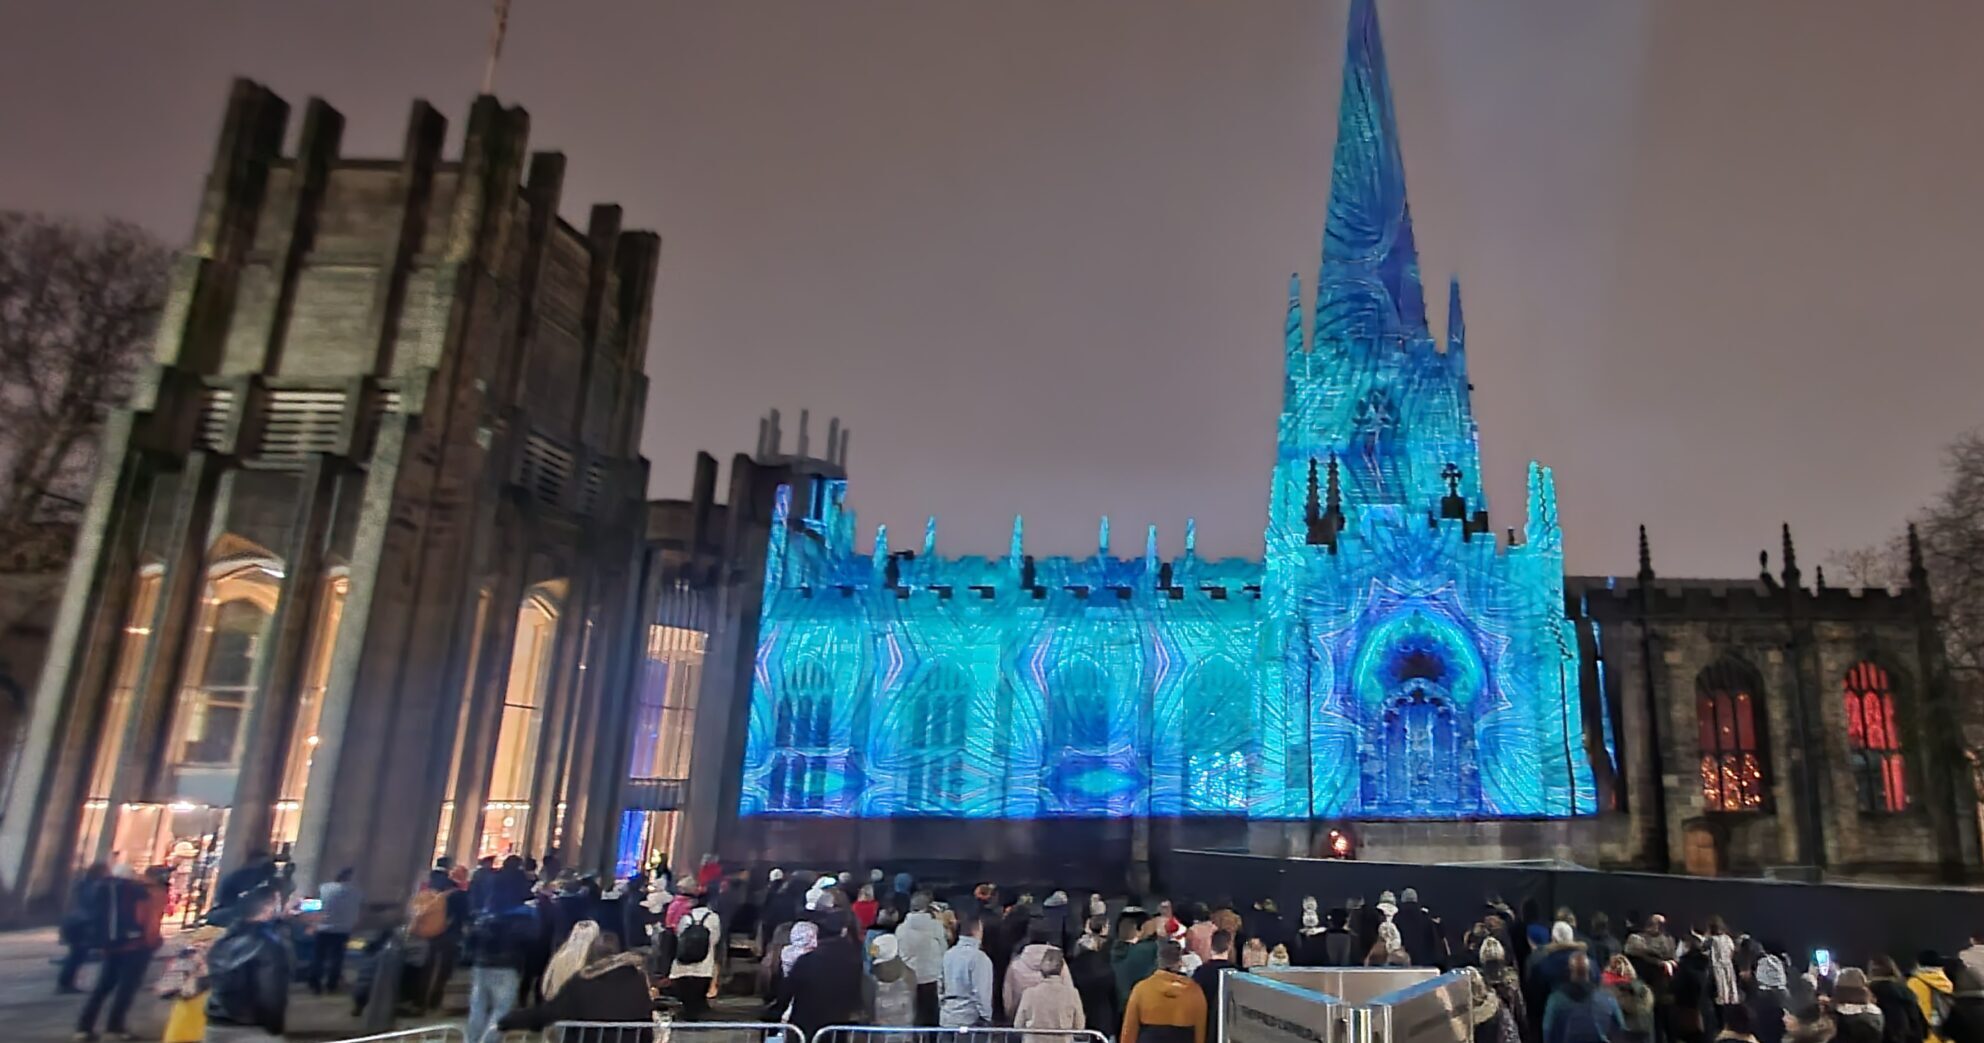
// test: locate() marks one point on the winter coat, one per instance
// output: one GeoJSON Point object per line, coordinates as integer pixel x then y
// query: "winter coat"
{"type": "Point", "coordinates": [1924, 983]}
{"type": "Point", "coordinates": [1050, 1003]}
{"type": "Point", "coordinates": [967, 998]}
{"type": "Point", "coordinates": [707, 966]}
{"type": "Point", "coordinates": [1578, 1013]}
{"type": "Point", "coordinates": [923, 942]}
{"type": "Point", "coordinates": [1022, 973]}
{"type": "Point", "coordinates": [1859, 1023]}
{"type": "Point", "coordinates": [1635, 1007]}
{"type": "Point", "coordinates": [613, 989]}
{"type": "Point", "coordinates": [1901, 1018]}
{"type": "Point", "coordinates": [1062, 929]}
{"type": "Point", "coordinates": [1132, 962]}
{"type": "Point", "coordinates": [1166, 1007]}
{"type": "Point", "coordinates": [1965, 1023]}
{"type": "Point", "coordinates": [1095, 978]}
{"type": "Point", "coordinates": [824, 988]}
{"type": "Point", "coordinates": [249, 972]}
{"type": "Point", "coordinates": [1420, 930]}
{"type": "Point", "coordinates": [893, 998]}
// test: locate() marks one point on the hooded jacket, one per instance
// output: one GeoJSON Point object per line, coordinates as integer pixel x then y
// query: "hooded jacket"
{"type": "Point", "coordinates": [1095, 978]}
{"type": "Point", "coordinates": [824, 987]}
{"type": "Point", "coordinates": [612, 989]}
{"type": "Point", "coordinates": [1132, 962]}
{"type": "Point", "coordinates": [1166, 1007]}
{"type": "Point", "coordinates": [249, 969]}
{"type": "Point", "coordinates": [923, 942]}
{"type": "Point", "coordinates": [1049, 1003]}
{"type": "Point", "coordinates": [1023, 973]}
{"type": "Point", "coordinates": [1924, 983]}
{"type": "Point", "coordinates": [1578, 1013]}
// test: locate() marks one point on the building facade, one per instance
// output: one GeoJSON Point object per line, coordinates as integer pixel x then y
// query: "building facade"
{"type": "Point", "coordinates": [353, 577]}
{"type": "Point", "coordinates": [1390, 664]}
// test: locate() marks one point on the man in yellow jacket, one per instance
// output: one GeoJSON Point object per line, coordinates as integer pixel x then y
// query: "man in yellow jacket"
{"type": "Point", "coordinates": [1166, 1007]}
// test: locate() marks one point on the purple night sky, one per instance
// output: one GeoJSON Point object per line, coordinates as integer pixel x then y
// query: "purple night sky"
{"type": "Point", "coordinates": [1721, 260]}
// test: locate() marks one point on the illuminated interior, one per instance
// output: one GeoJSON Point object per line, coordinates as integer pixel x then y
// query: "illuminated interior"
{"type": "Point", "coordinates": [506, 812]}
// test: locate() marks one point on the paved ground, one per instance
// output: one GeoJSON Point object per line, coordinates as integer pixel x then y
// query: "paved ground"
{"type": "Point", "coordinates": [32, 1012]}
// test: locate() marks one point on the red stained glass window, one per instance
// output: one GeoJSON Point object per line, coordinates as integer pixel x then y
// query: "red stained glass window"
{"type": "Point", "coordinates": [1873, 742]}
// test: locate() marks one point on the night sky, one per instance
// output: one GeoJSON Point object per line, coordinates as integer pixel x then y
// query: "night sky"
{"type": "Point", "coordinates": [1720, 259]}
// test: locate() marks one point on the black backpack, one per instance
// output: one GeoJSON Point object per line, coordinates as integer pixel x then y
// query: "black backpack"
{"type": "Point", "coordinates": [693, 945]}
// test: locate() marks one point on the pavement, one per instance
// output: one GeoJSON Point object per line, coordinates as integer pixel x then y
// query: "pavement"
{"type": "Point", "coordinates": [31, 1011]}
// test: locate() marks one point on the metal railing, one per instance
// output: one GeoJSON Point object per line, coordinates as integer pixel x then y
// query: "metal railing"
{"type": "Point", "coordinates": [425, 1034]}
{"type": "Point", "coordinates": [655, 1032]}
{"type": "Point", "coordinates": [916, 1034]}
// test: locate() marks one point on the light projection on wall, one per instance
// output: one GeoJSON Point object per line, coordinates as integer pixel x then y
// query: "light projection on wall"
{"type": "Point", "coordinates": [1387, 658]}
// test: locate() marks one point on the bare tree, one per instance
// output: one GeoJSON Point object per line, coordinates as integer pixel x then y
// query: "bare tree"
{"type": "Point", "coordinates": [78, 304]}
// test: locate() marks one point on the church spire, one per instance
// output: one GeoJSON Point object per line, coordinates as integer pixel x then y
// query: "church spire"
{"type": "Point", "coordinates": [1456, 327]}
{"type": "Point", "coordinates": [1369, 289]}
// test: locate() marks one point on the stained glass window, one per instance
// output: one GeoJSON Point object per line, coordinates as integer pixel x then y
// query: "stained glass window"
{"type": "Point", "coordinates": [1735, 772]}
{"type": "Point", "coordinates": [1873, 742]}
{"type": "Point", "coordinates": [936, 730]}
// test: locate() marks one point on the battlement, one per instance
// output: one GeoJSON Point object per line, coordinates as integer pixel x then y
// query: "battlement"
{"type": "Point", "coordinates": [1705, 599]}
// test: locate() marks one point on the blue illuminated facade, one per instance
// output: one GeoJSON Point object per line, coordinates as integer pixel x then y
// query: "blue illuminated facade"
{"type": "Point", "coordinates": [1387, 658]}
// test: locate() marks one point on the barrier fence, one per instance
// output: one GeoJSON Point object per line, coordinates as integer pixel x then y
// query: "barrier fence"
{"type": "Point", "coordinates": [425, 1034]}
{"type": "Point", "coordinates": [891, 1034]}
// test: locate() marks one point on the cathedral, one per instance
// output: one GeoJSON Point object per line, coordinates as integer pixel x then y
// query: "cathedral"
{"type": "Point", "coordinates": [1390, 665]}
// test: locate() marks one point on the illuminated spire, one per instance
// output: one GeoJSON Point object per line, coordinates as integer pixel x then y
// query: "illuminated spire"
{"type": "Point", "coordinates": [1456, 330]}
{"type": "Point", "coordinates": [1369, 289]}
{"type": "Point", "coordinates": [930, 537]}
{"type": "Point", "coordinates": [1291, 331]}
{"type": "Point", "coordinates": [1017, 552]}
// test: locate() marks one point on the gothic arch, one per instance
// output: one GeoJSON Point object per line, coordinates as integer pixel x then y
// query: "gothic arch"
{"type": "Point", "coordinates": [1217, 736]}
{"type": "Point", "coordinates": [930, 733]}
{"type": "Point", "coordinates": [1733, 724]}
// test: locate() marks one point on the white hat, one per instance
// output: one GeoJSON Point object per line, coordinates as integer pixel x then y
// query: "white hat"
{"type": "Point", "coordinates": [777, 875]}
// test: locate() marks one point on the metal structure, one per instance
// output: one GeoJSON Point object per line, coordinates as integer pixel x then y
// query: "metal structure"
{"type": "Point", "coordinates": [423, 1034]}
{"type": "Point", "coordinates": [1344, 1005]}
{"type": "Point", "coordinates": [898, 1034]}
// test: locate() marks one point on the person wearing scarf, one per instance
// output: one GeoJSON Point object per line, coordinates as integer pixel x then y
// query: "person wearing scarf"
{"type": "Point", "coordinates": [1492, 1021]}
{"type": "Point", "coordinates": [1635, 999]}
{"type": "Point", "coordinates": [1507, 987]}
{"type": "Point", "coordinates": [1310, 938]}
{"type": "Point", "coordinates": [1390, 950]}
{"type": "Point", "coordinates": [1854, 1011]}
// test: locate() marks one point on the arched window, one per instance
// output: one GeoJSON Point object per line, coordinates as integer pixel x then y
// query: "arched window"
{"type": "Point", "coordinates": [240, 598]}
{"type": "Point", "coordinates": [1872, 741]}
{"type": "Point", "coordinates": [1078, 709]}
{"type": "Point", "coordinates": [1217, 733]}
{"type": "Point", "coordinates": [933, 730]}
{"type": "Point", "coordinates": [804, 730]}
{"type": "Point", "coordinates": [1735, 771]}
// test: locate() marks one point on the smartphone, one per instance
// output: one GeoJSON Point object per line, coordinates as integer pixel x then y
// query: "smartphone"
{"type": "Point", "coordinates": [311, 905]}
{"type": "Point", "coordinates": [1822, 962]}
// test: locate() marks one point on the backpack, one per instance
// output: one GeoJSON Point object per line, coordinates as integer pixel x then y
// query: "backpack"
{"type": "Point", "coordinates": [693, 944]}
{"type": "Point", "coordinates": [1940, 1005]}
{"type": "Point", "coordinates": [427, 915]}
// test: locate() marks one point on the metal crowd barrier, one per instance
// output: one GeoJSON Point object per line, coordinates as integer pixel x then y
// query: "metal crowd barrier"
{"type": "Point", "coordinates": [1344, 1005]}
{"type": "Point", "coordinates": [426, 1034]}
{"type": "Point", "coordinates": [988, 1034]}
{"type": "Point", "coordinates": [657, 1032]}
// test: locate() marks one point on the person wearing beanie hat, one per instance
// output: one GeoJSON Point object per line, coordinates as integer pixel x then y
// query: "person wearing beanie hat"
{"type": "Point", "coordinates": [1492, 1021]}
{"type": "Point", "coordinates": [1425, 942]}
{"type": "Point", "coordinates": [891, 985]}
{"type": "Point", "coordinates": [1504, 982]}
{"type": "Point", "coordinates": [1854, 1011]}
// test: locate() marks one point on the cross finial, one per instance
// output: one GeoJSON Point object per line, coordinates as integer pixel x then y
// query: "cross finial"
{"type": "Point", "coordinates": [1451, 475]}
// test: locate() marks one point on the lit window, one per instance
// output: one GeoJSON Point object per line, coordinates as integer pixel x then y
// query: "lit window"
{"type": "Point", "coordinates": [1873, 742]}
{"type": "Point", "coordinates": [1217, 727]}
{"type": "Point", "coordinates": [1735, 774]}
{"type": "Point", "coordinates": [934, 728]}
{"type": "Point", "coordinates": [228, 645]}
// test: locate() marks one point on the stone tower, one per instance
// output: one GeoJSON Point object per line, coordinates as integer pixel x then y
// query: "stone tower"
{"type": "Point", "coordinates": [357, 570]}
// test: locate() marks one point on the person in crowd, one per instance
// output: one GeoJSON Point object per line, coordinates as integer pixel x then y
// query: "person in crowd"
{"type": "Point", "coordinates": [1265, 923]}
{"type": "Point", "coordinates": [891, 984]}
{"type": "Point", "coordinates": [1134, 954]}
{"type": "Point", "coordinates": [967, 978]}
{"type": "Point", "coordinates": [1933, 992]}
{"type": "Point", "coordinates": [826, 986]}
{"type": "Point", "coordinates": [131, 910]}
{"type": "Point", "coordinates": [1805, 1021]}
{"type": "Point", "coordinates": [694, 973]}
{"type": "Point", "coordinates": [1770, 994]}
{"type": "Point", "coordinates": [1965, 1021]}
{"type": "Point", "coordinates": [779, 907]}
{"type": "Point", "coordinates": [803, 938]}
{"type": "Point", "coordinates": [1051, 1002]}
{"type": "Point", "coordinates": [1901, 1018]}
{"type": "Point", "coordinates": [1061, 927]}
{"type": "Point", "coordinates": [1310, 938]}
{"type": "Point", "coordinates": [1094, 976]}
{"type": "Point", "coordinates": [1692, 986]}
{"type": "Point", "coordinates": [1224, 918]}
{"type": "Point", "coordinates": [1420, 930]}
{"type": "Point", "coordinates": [1738, 1028]}
{"type": "Point", "coordinates": [1721, 947]}
{"type": "Point", "coordinates": [1339, 944]}
{"type": "Point", "coordinates": [248, 972]}
{"type": "Point", "coordinates": [1165, 1007]}
{"type": "Point", "coordinates": [256, 871]}
{"type": "Point", "coordinates": [1390, 950]}
{"type": "Point", "coordinates": [886, 922]}
{"type": "Point", "coordinates": [1025, 971]}
{"type": "Point", "coordinates": [1577, 1012]}
{"type": "Point", "coordinates": [437, 915]}
{"type": "Point", "coordinates": [80, 924]}
{"type": "Point", "coordinates": [1601, 945]}
{"type": "Point", "coordinates": [1492, 1022]}
{"type": "Point", "coordinates": [866, 907]}
{"type": "Point", "coordinates": [1655, 940]}
{"type": "Point", "coordinates": [1277, 958]}
{"type": "Point", "coordinates": [1491, 958]}
{"type": "Point", "coordinates": [1363, 923]}
{"type": "Point", "coordinates": [902, 890]}
{"type": "Point", "coordinates": [1207, 975]}
{"type": "Point", "coordinates": [1972, 954]}
{"type": "Point", "coordinates": [1253, 954]}
{"type": "Point", "coordinates": [589, 979]}
{"type": "Point", "coordinates": [1549, 965]}
{"type": "Point", "coordinates": [1387, 905]}
{"type": "Point", "coordinates": [1855, 1014]}
{"type": "Point", "coordinates": [342, 902]}
{"type": "Point", "coordinates": [1635, 999]}
{"type": "Point", "coordinates": [923, 941]}
{"type": "Point", "coordinates": [496, 947]}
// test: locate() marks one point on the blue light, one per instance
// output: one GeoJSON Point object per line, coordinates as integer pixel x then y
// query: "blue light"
{"type": "Point", "coordinates": [1386, 658]}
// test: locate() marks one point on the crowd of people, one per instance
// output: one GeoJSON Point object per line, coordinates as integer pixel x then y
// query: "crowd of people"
{"type": "Point", "coordinates": [542, 945]}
